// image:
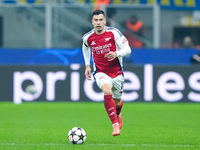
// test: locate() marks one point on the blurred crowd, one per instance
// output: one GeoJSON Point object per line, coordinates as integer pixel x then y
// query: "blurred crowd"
{"type": "Point", "coordinates": [187, 42]}
{"type": "Point", "coordinates": [134, 28]}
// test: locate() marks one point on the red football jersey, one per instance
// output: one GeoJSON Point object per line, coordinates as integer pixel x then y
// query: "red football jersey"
{"type": "Point", "coordinates": [110, 40]}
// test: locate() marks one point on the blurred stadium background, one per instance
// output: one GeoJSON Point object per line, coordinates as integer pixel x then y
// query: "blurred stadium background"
{"type": "Point", "coordinates": [40, 44]}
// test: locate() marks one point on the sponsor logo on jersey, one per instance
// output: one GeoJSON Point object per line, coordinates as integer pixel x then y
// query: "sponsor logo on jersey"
{"type": "Point", "coordinates": [101, 49]}
{"type": "Point", "coordinates": [93, 43]}
{"type": "Point", "coordinates": [124, 40]}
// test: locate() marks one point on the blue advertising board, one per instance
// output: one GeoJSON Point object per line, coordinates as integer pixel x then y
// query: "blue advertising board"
{"type": "Point", "coordinates": [69, 56]}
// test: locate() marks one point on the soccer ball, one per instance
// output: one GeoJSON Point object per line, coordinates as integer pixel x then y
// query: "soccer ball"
{"type": "Point", "coordinates": [77, 135]}
{"type": "Point", "coordinates": [31, 89]}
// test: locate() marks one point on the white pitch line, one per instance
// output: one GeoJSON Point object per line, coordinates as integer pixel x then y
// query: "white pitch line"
{"type": "Point", "coordinates": [146, 145]}
{"type": "Point", "coordinates": [130, 145]}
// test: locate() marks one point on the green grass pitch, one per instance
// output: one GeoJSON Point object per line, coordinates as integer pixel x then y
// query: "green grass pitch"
{"type": "Point", "coordinates": [147, 126]}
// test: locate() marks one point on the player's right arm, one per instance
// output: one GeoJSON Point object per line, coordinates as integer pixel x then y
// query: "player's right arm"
{"type": "Point", "coordinates": [88, 72]}
{"type": "Point", "coordinates": [86, 55]}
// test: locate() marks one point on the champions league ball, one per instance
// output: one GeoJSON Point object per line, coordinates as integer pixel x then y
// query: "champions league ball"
{"type": "Point", "coordinates": [31, 89]}
{"type": "Point", "coordinates": [77, 135]}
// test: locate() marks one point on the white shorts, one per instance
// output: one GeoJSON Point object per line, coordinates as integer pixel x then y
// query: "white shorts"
{"type": "Point", "coordinates": [115, 83]}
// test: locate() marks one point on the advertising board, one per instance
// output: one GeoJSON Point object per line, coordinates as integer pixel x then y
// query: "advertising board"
{"type": "Point", "coordinates": [145, 83]}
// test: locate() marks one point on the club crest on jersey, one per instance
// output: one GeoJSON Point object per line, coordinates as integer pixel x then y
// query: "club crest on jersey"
{"type": "Point", "coordinates": [93, 43]}
{"type": "Point", "coordinates": [107, 39]}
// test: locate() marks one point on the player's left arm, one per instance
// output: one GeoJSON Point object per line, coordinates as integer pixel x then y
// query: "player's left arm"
{"type": "Point", "coordinates": [120, 53]}
{"type": "Point", "coordinates": [123, 46]}
{"type": "Point", "coordinates": [124, 51]}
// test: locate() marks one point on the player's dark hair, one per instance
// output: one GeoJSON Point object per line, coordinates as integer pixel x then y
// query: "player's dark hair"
{"type": "Point", "coordinates": [98, 12]}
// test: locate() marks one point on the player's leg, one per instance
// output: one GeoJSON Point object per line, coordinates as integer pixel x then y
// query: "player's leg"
{"type": "Point", "coordinates": [109, 103]}
{"type": "Point", "coordinates": [104, 82]}
{"type": "Point", "coordinates": [119, 105]}
{"type": "Point", "coordinates": [117, 93]}
{"type": "Point", "coordinates": [110, 107]}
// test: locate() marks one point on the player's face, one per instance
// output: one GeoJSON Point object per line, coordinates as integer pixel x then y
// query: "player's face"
{"type": "Point", "coordinates": [99, 22]}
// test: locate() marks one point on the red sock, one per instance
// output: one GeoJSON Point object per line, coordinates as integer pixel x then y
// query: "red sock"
{"type": "Point", "coordinates": [119, 108]}
{"type": "Point", "coordinates": [110, 107]}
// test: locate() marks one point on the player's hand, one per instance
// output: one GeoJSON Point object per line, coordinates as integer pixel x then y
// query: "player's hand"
{"type": "Point", "coordinates": [111, 56]}
{"type": "Point", "coordinates": [88, 72]}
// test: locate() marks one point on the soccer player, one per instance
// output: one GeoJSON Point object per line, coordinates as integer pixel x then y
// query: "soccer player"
{"type": "Point", "coordinates": [108, 46]}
